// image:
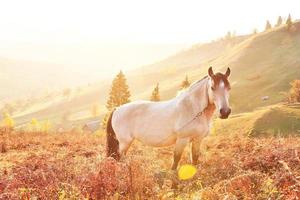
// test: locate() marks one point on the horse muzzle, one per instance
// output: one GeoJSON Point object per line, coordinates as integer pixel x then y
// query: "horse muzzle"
{"type": "Point", "coordinates": [224, 113]}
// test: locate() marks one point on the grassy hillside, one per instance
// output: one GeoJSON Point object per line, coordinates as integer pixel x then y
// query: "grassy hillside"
{"type": "Point", "coordinates": [172, 69]}
{"type": "Point", "coordinates": [277, 120]}
{"type": "Point", "coordinates": [21, 78]}
{"type": "Point", "coordinates": [262, 65]}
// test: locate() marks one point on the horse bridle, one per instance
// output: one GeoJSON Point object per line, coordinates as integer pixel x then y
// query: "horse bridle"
{"type": "Point", "coordinates": [198, 114]}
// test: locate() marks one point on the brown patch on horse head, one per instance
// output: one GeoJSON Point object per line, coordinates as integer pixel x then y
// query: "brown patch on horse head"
{"type": "Point", "coordinates": [218, 78]}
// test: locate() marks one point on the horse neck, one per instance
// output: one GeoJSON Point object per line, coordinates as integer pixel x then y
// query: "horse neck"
{"type": "Point", "coordinates": [196, 98]}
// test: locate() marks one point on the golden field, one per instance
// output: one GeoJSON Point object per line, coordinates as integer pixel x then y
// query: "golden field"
{"type": "Point", "coordinates": [73, 166]}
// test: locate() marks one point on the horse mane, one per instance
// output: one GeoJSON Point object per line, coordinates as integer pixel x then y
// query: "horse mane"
{"type": "Point", "coordinates": [195, 99]}
{"type": "Point", "coordinates": [197, 82]}
{"type": "Point", "coordinates": [186, 92]}
{"type": "Point", "coordinates": [190, 87]}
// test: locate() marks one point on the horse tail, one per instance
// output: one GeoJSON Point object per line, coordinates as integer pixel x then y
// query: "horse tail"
{"type": "Point", "coordinates": [112, 144]}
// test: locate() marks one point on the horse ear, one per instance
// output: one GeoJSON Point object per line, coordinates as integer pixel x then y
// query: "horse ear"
{"type": "Point", "coordinates": [210, 72]}
{"type": "Point", "coordinates": [227, 72]}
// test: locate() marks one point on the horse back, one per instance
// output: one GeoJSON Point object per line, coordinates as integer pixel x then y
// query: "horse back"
{"type": "Point", "coordinates": [147, 121]}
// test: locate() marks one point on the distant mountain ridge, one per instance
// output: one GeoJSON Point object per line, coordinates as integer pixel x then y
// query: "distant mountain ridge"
{"type": "Point", "coordinates": [20, 79]}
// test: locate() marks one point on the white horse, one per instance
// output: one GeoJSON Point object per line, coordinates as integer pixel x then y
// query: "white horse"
{"type": "Point", "coordinates": [183, 119]}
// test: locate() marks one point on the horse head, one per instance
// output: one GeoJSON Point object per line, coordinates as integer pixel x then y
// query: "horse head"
{"type": "Point", "coordinates": [218, 92]}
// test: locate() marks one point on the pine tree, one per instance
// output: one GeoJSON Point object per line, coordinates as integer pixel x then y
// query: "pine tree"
{"type": "Point", "coordinates": [268, 25]}
{"type": "Point", "coordinates": [228, 35]}
{"type": "Point", "coordinates": [279, 21]}
{"type": "Point", "coordinates": [254, 32]}
{"type": "Point", "coordinates": [118, 95]}
{"type": "Point", "coordinates": [289, 22]}
{"type": "Point", "coordinates": [155, 94]}
{"type": "Point", "coordinates": [185, 83]}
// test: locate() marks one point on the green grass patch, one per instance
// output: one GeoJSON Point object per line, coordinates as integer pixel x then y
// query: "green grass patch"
{"type": "Point", "coordinates": [277, 120]}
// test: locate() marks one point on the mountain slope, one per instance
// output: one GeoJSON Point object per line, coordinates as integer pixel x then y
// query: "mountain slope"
{"type": "Point", "coordinates": [262, 65]}
{"type": "Point", "coordinates": [275, 120]}
{"type": "Point", "coordinates": [141, 81]}
{"type": "Point", "coordinates": [21, 78]}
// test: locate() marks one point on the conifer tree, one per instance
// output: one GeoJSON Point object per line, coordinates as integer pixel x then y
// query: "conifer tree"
{"type": "Point", "coordinates": [155, 94]}
{"type": "Point", "coordinates": [279, 21]}
{"type": "Point", "coordinates": [228, 35]}
{"type": "Point", "coordinates": [119, 94]}
{"type": "Point", "coordinates": [289, 22]}
{"type": "Point", "coordinates": [185, 83]}
{"type": "Point", "coordinates": [254, 31]}
{"type": "Point", "coordinates": [268, 25]}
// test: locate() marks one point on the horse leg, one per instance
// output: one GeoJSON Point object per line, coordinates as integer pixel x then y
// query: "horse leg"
{"type": "Point", "coordinates": [179, 147]}
{"type": "Point", "coordinates": [196, 150]}
{"type": "Point", "coordinates": [124, 146]}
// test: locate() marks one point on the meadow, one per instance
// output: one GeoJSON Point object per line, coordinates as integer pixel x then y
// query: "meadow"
{"type": "Point", "coordinates": [37, 165]}
{"type": "Point", "coordinates": [45, 154]}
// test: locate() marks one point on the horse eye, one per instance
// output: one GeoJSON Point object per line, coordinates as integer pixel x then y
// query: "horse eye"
{"type": "Point", "coordinates": [212, 88]}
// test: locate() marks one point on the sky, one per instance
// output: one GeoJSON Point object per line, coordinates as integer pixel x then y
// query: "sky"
{"type": "Point", "coordinates": [111, 34]}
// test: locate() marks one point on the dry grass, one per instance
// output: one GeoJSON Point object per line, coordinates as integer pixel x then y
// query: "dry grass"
{"type": "Point", "coordinates": [72, 166]}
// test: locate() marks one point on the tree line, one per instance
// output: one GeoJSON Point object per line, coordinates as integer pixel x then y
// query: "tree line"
{"type": "Point", "coordinates": [289, 23]}
{"type": "Point", "coordinates": [280, 22]}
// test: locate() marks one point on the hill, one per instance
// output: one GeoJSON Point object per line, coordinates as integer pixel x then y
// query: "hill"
{"type": "Point", "coordinates": [139, 86]}
{"type": "Point", "coordinates": [20, 79]}
{"type": "Point", "coordinates": [276, 120]}
{"type": "Point", "coordinates": [262, 65]}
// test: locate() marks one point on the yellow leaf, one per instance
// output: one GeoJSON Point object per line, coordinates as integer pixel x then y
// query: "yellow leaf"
{"type": "Point", "coordinates": [186, 172]}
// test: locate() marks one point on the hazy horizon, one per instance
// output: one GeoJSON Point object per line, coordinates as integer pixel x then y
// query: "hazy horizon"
{"type": "Point", "coordinates": [87, 56]}
{"type": "Point", "coordinates": [112, 35]}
